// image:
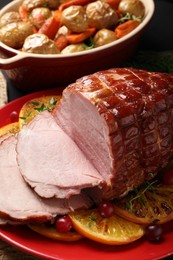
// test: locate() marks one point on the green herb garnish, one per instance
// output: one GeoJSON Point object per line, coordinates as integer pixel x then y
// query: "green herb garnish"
{"type": "Point", "coordinates": [35, 103]}
{"type": "Point", "coordinates": [88, 44]}
{"type": "Point", "coordinates": [25, 117]}
{"type": "Point", "coordinates": [139, 195]}
{"type": "Point", "coordinates": [41, 107]}
{"type": "Point", "coordinates": [128, 17]}
{"type": "Point", "coordinates": [52, 102]}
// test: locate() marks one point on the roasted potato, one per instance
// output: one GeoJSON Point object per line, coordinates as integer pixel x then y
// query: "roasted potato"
{"type": "Point", "coordinates": [133, 7]}
{"type": "Point", "coordinates": [31, 4]}
{"type": "Point", "coordinates": [100, 15]}
{"type": "Point", "coordinates": [39, 15]}
{"type": "Point", "coordinates": [40, 43]}
{"type": "Point", "coordinates": [9, 17]}
{"type": "Point", "coordinates": [103, 37]}
{"type": "Point", "coordinates": [75, 19]}
{"type": "Point", "coordinates": [73, 48]}
{"type": "Point", "coordinates": [14, 34]}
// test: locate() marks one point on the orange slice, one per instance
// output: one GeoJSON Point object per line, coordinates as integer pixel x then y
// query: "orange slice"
{"type": "Point", "coordinates": [147, 204]}
{"type": "Point", "coordinates": [113, 230]}
{"type": "Point", "coordinates": [50, 232]}
{"type": "Point", "coordinates": [10, 128]}
{"type": "Point", "coordinates": [31, 108]}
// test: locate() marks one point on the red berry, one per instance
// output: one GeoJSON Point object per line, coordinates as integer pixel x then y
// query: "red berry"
{"type": "Point", "coordinates": [106, 209]}
{"type": "Point", "coordinates": [63, 224]}
{"type": "Point", "coordinates": [167, 178]}
{"type": "Point", "coordinates": [154, 232]}
{"type": "Point", "coordinates": [14, 116]}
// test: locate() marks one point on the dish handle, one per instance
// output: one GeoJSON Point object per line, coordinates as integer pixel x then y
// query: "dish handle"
{"type": "Point", "coordinates": [13, 62]}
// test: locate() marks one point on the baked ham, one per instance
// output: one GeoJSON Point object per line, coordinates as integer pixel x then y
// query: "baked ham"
{"type": "Point", "coordinates": [51, 162]}
{"type": "Point", "coordinates": [18, 202]}
{"type": "Point", "coordinates": [111, 131]}
{"type": "Point", "coordinates": [122, 120]}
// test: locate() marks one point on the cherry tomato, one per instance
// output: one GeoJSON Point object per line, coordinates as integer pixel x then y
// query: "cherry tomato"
{"type": "Point", "coordinates": [106, 209]}
{"type": "Point", "coordinates": [63, 224]}
{"type": "Point", "coordinates": [167, 178]}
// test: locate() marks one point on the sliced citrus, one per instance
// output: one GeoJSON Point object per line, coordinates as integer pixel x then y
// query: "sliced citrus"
{"type": "Point", "coordinates": [34, 106]}
{"type": "Point", "coordinates": [50, 232]}
{"type": "Point", "coordinates": [113, 230]}
{"type": "Point", "coordinates": [10, 128]}
{"type": "Point", "coordinates": [147, 204]}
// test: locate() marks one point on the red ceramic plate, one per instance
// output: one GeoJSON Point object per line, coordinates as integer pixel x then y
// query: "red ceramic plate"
{"type": "Point", "coordinates": [27, 240]}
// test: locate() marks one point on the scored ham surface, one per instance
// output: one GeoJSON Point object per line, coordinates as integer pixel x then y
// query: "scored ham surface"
{"type": "Point", "coordinates": [122, 120]}
{"type": "Point", "coordinates": [18, 202]}
{"type": "Point", "coordinates": [51, 162]}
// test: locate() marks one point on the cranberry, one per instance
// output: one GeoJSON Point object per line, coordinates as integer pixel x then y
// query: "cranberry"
{"type": "Point", "coordinates": [63, 224]}
{"type": "Point", "coordinates": [154, 232]}
{"type": "Point", "coordinates": [167, 178]}
{"type": "Point", "coordinates": [14, 116]}
{"type": "Point", "coordinates": [106, 209]}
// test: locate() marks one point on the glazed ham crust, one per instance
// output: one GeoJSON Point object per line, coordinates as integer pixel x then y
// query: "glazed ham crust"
{"type": "Point", "coordinates": [122, 119]}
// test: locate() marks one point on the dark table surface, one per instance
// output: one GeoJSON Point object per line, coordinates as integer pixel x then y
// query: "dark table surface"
{"type": "Point", "coordinates": [158, 37]}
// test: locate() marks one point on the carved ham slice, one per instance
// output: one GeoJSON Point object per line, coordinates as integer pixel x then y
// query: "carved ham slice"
{"type": "Point", "coordinates": [122, 120]}
{"type": "Point", "coordinates": [18, 202]}
{"type": "Point", "coordinates": [51, 162]}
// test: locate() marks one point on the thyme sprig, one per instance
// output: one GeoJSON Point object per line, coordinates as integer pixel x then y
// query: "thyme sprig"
{"type": "Point", "coordinates": [128, 17]}
{"type": "Point", "coordinates": [41, 107]}
{"type": "Point", "coordinates": [35, 103]}
{"type": "Point", "coordinates": [25, 117]}
{"type": "Point", "coordinates": [52, 103]}
{"type": "Point", "coordinates": [139, 195]}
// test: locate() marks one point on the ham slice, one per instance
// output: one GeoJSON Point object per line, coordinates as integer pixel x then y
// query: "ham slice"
{"type": "Point", "coordinates": [51, 162]}
{"type": "Point", "coordinates": [18, 202]}
{"type": "Point", "coordinates": [122, 120]}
